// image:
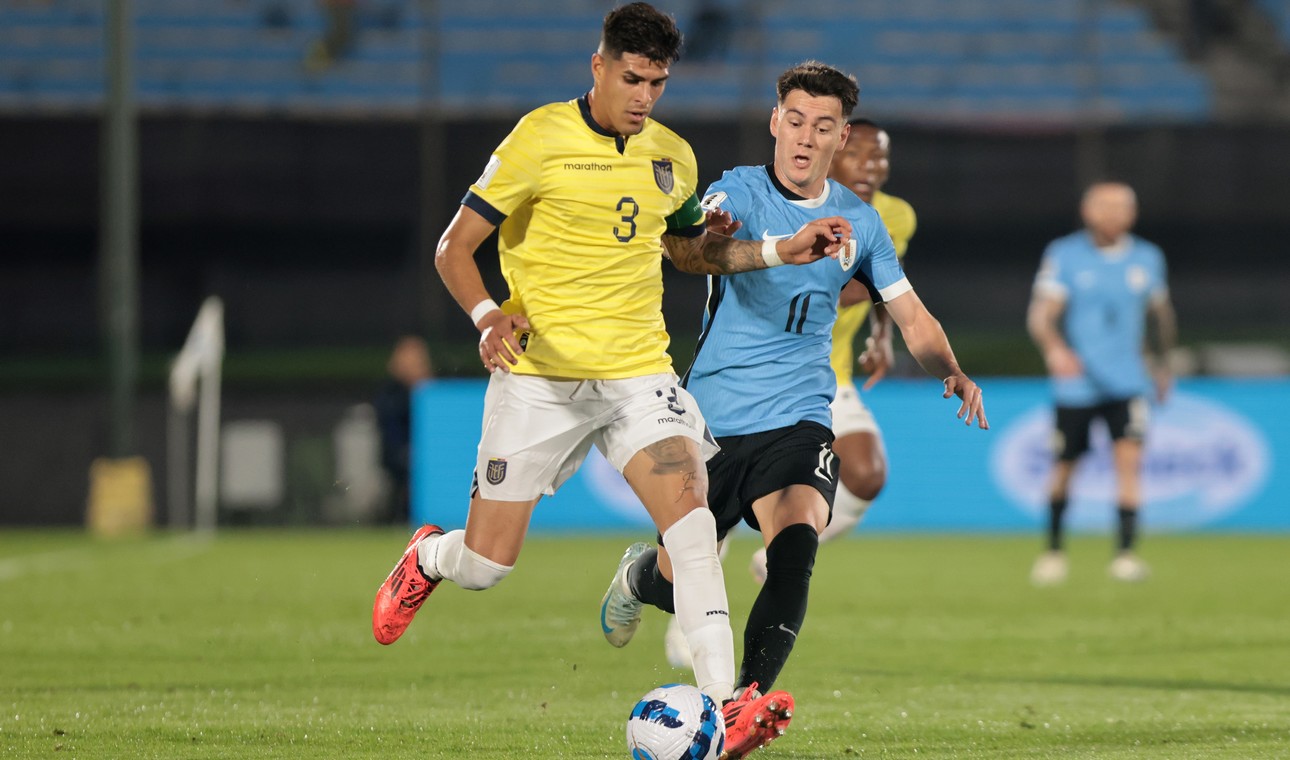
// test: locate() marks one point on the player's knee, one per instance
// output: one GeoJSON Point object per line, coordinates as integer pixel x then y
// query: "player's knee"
{"type": "Point", "coordinates": [792, 554]}
{"type": "Point", "coordinates": [693, 537]}
{"type": "Point", "coordinates": [476, 572]}
{"type": "Point", "coordinates": [865, 479]}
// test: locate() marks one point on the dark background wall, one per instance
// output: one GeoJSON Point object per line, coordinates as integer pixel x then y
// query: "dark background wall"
{"type": "Point", "coordinates": [314, 232]}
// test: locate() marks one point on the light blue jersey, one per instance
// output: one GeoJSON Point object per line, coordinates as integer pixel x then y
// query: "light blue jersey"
{"type": "Point", "coordinates": [763, 358]}
{"type": "Point", "coordinates": [1107, 294]}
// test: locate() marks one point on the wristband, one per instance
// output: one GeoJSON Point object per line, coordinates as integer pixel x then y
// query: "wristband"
{"type": "Point", "coordinates": [769, 254]}
{"type": "Point", "coordinates": [482, 308]}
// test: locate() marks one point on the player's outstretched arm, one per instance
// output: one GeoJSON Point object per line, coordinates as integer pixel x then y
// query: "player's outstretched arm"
{"type": "Point", "coordinates": [454, 258]}
{"type": "Point", "coordinates": [927, 343]}
{"type": "Point", "coordinates": [714, 253]}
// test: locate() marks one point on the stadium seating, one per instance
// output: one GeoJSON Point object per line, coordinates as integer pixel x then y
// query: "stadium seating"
{"type": "Point", "coordinates": [1279, 12]}
{"type": "Point", "coordinates": [943, 60]}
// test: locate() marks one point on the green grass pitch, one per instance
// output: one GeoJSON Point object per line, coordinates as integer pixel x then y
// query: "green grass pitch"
{"type": "Point", "coordinates": [258, 645]}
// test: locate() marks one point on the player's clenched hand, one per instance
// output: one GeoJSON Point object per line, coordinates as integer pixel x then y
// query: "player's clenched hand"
{"type": "Point", "coordinates": [973, 407]}
{"type": "Point", "coordinates": [499, 348]}
{"type": "Point", "coordinates": [722, 223]}
{"type": "Point", "coordinates": [815, 240]}
{"type": "Point", "coordinates": [876, 360]}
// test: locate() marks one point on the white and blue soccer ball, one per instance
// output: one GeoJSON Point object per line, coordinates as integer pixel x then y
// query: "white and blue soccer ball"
{"type": "Point", "coordinates": [676, 722]}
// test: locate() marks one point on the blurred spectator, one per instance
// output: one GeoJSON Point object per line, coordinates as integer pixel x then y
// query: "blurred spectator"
{"type": "Point", "coordinates": [408, 367]}
{"type": "Point", "coordinates": [1206, 20]}
{"type": "Point", "coordinates": [338, 37]}
{"type": "Point", "coordinates": [709, 36]}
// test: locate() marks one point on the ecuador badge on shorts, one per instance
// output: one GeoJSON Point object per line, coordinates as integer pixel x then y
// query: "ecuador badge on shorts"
{"type": "Point", "coordinates": [663, 175]}
{"type": "Point", "coordinates": [496, 471]}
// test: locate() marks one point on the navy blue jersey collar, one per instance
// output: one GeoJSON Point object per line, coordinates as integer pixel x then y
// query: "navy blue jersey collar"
{"type": "Point", "coordinates": [784, 191]}
{"type": "Point", "coordinates": [584, 106]}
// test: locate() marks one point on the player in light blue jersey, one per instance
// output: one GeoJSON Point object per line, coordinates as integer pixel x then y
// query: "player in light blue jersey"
{"type": "Point", "coordinates": [770, 335]}
{"type": "Point", "coordinates": [762, 367]}
{"type": "Point", "coordinates": [1088, 316]}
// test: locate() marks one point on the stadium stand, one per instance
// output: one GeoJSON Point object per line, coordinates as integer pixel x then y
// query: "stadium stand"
{"type": "Point", "coordinates": [932, 60]}
{"type": "Point", "coordinates": [1279, 12]}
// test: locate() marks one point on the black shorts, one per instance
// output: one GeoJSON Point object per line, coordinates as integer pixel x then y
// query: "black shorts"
{"type": "Point", "coordinates": [751, 466]}
{"type": "Point", "coordinates": [1126, 419]}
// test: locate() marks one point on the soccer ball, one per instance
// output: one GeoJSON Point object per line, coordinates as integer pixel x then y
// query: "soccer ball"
{"type": "Point", "coordinates": [676, 722]}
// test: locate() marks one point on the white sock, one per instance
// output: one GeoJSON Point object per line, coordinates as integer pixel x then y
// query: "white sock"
{"type": "Point", "coordinates": [848, 510]}
{"type": "Point", "coordinates": [447, 556]}
{"type": "Point", "coordinates": [440, 551]}
{"type": "Point", "coordinates": [699, 593]}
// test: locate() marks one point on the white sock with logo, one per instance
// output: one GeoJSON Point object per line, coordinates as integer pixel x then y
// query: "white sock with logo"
{"type": "Point", "coordinates": [702, 610]}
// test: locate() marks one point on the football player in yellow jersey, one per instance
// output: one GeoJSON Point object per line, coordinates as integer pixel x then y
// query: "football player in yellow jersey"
{"type": "Point", "coordinates": [863, 165]}
{"type": "Point", "coordinates": [589, 195]}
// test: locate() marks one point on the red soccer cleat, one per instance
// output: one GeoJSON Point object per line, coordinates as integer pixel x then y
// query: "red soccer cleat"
{"type": "Point", "coordinates": [754, 721]}
{"type": "Point", "coordinates": [401, 595]}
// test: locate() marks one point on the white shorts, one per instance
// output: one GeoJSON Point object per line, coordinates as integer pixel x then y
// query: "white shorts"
{"type": "Point", "coordinates": [537, 431]}
{"type": "Point", "coordinates": [850, 415]}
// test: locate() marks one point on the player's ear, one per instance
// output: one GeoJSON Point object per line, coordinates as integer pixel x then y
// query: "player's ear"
{"type": "Point", "coordinates": [597, 67]}
{"type": "Point", "coordinates": [774, 121]}
{"type": "Point", "coordinates": [846, 132]}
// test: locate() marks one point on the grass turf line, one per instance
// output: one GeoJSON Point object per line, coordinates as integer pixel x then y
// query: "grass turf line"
{"type": "Point", "coordinates": [258, 645]}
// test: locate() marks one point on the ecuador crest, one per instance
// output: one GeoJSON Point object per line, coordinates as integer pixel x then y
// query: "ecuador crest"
{"type": "Point", "coordinates": [663, 175]}
{"type": "Point", "coordinates": [496, 471]}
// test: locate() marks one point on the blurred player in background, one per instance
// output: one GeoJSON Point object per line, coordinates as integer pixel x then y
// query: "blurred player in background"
{"type": "Point", "coordinates": [409, 366]}
{"type": "Point", "coordinates": [761, 373]}
{"type": "Point", "coordinates": [1088, 315]}
{"type": "Point", "coordinates": [587, 195]}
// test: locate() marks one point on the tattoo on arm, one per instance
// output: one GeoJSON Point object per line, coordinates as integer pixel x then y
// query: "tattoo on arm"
{"type": "Point", "coordinates": [711, 253]}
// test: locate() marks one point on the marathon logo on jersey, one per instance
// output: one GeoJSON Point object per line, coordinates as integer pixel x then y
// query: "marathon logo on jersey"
{"type": "Point", "coordinates": [496, 471]}
{"type": "Point", "coordinates": [663, 175]}
{"type": "Point", "coordinates": [587, 166]}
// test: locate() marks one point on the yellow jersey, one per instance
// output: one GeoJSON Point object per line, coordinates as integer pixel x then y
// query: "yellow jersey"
{"type": "Point", "coordinates": [900, 220]}
{"type": "Point", "coordinates": [581, 214]}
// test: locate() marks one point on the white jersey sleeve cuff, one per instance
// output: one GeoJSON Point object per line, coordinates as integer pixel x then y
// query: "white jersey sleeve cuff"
{"type": "Point", "coordinates": [1050, 288]}
{"type": "Point", "coordinates": [898, 288]}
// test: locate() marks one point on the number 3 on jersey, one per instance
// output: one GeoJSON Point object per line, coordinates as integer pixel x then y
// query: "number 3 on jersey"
{"type": "Point", "coordinates": [629, 217]}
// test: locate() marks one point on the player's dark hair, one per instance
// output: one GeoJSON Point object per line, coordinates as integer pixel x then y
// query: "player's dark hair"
{"type": "Point", "coordinates": [822, 81]}
{"type": "Point", "coordinates": [641, 29]}
{"type": "Point", "coordinates": [861, 121]}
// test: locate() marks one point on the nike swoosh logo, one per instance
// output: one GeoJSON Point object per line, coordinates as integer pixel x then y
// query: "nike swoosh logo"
{"type": "Point", "coordinates": [787, 630]}
{"type": "Point", "coordinates": [765, 235]}
{"type": "Point", "coordinates": [603, 606]}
